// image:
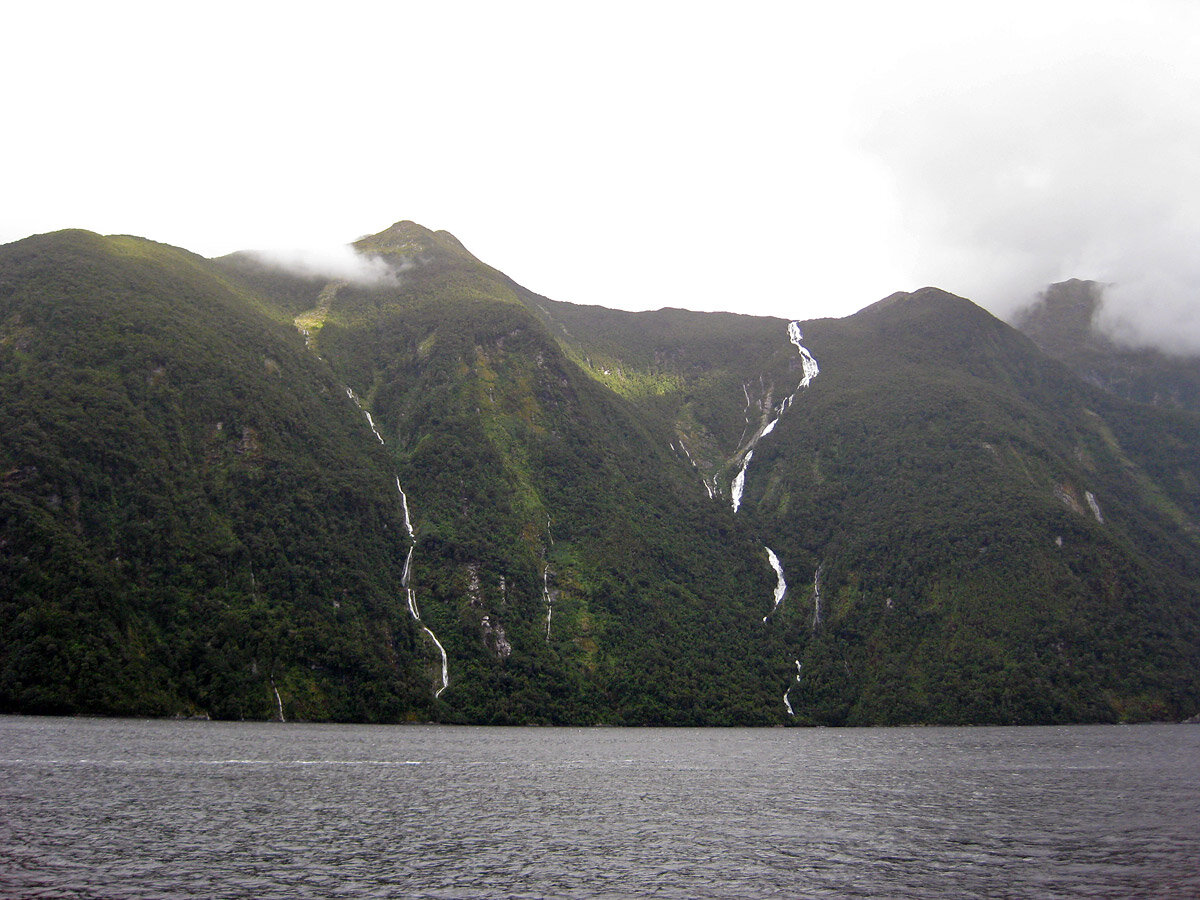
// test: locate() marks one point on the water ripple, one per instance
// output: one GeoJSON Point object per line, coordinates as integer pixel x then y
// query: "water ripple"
{"type": "Point", "coordinates": [141, 809]}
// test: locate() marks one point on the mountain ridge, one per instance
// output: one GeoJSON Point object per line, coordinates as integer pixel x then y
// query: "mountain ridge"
{"type": "Point", "coordinates": [442, 496]}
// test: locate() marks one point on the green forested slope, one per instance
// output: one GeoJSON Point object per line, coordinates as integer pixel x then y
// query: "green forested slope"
{"type": "Point", "coordinates": [196, 515]}
{"type": "Point", "coordinates": [190, 510]}
{"type": "Point", "coordinates": [939, 471]}
{"type": "Point", "coordinates": [936, 473]}
{"type": "Point", "coordinates": [529, 479]}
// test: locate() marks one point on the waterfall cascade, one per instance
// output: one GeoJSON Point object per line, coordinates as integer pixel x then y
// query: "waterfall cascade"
{"type": "Point", "coordinates": [810, 368]}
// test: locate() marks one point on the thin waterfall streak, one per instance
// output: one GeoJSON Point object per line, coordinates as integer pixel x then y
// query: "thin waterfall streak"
{"type": "Point", "coordinates": [278, 700]}
{"type": "Point", "coordinates": [547, 598]}
{"type": "Point", "coordinates": [445, 662]}
{"type": "Point", "coordinates": [371, 422]}
{"type": "Point", "coordinates": [404, 576]}
{"type": "Point", "coordinates": [404, 503]}
{"type": "Point", "coordinates": [703, 480]}
{"type": "Point", "coordinates": [780, 583]}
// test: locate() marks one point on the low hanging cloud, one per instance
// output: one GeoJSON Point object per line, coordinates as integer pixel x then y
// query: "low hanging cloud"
{"type": "Point", "coordinates": [1080, 167]}
{"type": "Point", "coordinates": [339, 262]}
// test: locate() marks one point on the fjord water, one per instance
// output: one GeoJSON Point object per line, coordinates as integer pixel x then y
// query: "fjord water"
{"type": "Point", "coordinates": [133, 808]}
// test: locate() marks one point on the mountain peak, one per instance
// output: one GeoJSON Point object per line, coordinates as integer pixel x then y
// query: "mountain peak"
{"type": "Point", "coordinates": [1063, 317]}
{"type": "Point", "coordinates": [928, 304]}
{"type": "Point", "coordinates": [407, 238]}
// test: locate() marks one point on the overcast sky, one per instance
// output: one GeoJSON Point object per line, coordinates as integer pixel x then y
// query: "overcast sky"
{"type": "Point", "coordinates": [787, 159]}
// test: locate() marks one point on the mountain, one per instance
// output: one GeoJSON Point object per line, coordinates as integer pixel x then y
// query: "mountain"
{"type": "Point", "coordinates": [187, 510]}
{"type": "Point", "coordinates": [1063, 321]}
{"type": "Point", "coordinates": [972, 533]}
{"type": "Point", "coordinates": [426, 493]}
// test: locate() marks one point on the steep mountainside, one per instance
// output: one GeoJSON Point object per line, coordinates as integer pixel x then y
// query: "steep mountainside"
{"type": "Point", "coordinates": [428, 493]}
{"type": "Point", "coordinates": [1063, 323]}
{"type": "Point", "coordinates": [570, 562]}
{"type": "Point", "coordinates": [987, 548]}
{"type": "Point", "coordinates": [193, 518]}
{"type": "Point", "coordinates": [969, 532]}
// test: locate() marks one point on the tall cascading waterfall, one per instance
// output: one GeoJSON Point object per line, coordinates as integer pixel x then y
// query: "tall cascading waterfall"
{"type": "Point", "coordinates": [810, 368]}
{"type": "Point", "coordinates": [780, 592]}
{"type": "Point", "coordinates": [406, 575]}
{"type": "Point", "coordinates": [411, 595]}
{"type": "Point", "coordinates": [326, 300]}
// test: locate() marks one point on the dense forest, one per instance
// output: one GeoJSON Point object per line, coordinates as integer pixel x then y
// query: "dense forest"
{"type": "Point", "coordinates": [428, 494]}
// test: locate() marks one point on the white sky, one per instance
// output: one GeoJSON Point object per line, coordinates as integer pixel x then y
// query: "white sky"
{"type": "Point", "coordinates": [787, 159]}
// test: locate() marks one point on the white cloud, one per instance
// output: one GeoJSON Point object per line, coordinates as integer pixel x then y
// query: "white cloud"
{"type": "Point", "coordinates": [336, 262]}
{"type": "Point", "coordinates": [775, 159]}
{"type": "Point", "coordinates": [1075, 158]}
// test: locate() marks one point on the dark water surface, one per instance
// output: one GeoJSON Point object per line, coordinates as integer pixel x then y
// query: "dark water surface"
{"type": "Point", "coordinates": [131, 808]}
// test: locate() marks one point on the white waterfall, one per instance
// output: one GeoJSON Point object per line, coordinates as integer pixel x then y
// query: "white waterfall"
{"type": "Point", "coordinates": [445, 662]}
{"type": "Point", "coordinates": [811, 370]}
{"type": "Point", "coordinates": [780, 584]}
{"type": "Point", "coordinates": [547, 598]}
{"type": "Point", "coordinates": [278, 701]}
{"type": "Point", "coordinates": [1095, 507]}
{"type": "Point", "coordinates": [371, 422]}
{"type": "Point", "coordinates": [746, 391]}
{"type": "Point", "coordinates": [809, 365]}
{"type": "Point", "coordinates": [410, 594]}
{"type": "Point", "coordinates": [739, 481]}
{"type": "Point", "coordinates": [404, 503]}
{"type": "Point", "coordinates": [404, 576]}
{"type": "Point", "coordinates": [786, 701]}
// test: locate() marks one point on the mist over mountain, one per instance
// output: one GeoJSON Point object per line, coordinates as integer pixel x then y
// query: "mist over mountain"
{"type": "Point", "coordinates": [1018, 182]}
{"type": "Point", "coordinates": [252, 488]}
{"type": "Point", "coordinates": [1070, 321]}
